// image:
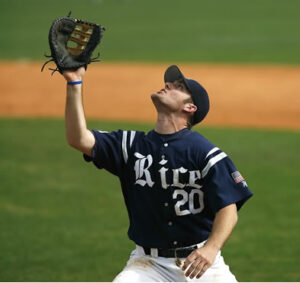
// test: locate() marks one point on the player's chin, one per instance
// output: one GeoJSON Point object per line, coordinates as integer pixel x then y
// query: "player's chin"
{"type": "Point", "coordinates": [155, 96]}
{"type": "Point", "coordinates": [156, 99]}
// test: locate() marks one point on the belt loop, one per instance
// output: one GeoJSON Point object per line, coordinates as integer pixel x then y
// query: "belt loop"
{"type": "Point", "coordinates": [154, 252]}
{"type": "Point", "coordinates": [140, 250]}
{"type": "Point", "coordinates": [175, 253]}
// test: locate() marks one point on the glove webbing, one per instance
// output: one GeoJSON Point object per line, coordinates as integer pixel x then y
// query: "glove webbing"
{"type": "Point", "coordinates": [80, 36]}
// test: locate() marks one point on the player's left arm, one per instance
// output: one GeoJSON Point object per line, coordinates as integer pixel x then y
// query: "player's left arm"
{"type": "Point", "coordinates": [201, 259]}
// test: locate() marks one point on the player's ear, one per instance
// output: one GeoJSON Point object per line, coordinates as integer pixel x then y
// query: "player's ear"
{"type": "Point", "coordinates": [190, 108]}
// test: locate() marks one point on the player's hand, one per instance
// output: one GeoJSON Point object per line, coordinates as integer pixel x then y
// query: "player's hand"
{"type": "Point", "coordinates": [74, 75]}
{"type": "Point", "coordinates": [199, 261]}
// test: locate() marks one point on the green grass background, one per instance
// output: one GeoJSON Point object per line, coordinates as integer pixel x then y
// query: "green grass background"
{"type": "Point", "coordinates": [264, 31]}
{"type": "Point", "coordinates": [63, 220]}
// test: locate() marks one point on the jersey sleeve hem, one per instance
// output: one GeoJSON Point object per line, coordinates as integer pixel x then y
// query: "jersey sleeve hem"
{"type": "Point", "coordinates": [239, 203]}
{"type": "Point", "coordinates": [92, 158]}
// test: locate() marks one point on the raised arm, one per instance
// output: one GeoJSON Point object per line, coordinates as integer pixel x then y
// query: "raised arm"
{"type": "Point", "coordinates": [78, 136]}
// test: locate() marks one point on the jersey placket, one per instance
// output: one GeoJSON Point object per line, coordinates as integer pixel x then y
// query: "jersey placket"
{"type": "Point", "coordinates": [167, 205]}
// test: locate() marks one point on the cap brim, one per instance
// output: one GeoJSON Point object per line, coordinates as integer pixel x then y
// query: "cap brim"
{"type": "Point", "coordinates": [173, 74]}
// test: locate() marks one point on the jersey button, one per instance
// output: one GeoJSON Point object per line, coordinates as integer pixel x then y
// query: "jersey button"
{"type": "Point", "coordinates": [166, 204]}
{"type": "Point", "coordinates": [175, 243]}
{"type": "Point", "coordinates": [170, 223]}
{"type": "Point", "coordinates": [165, 144]}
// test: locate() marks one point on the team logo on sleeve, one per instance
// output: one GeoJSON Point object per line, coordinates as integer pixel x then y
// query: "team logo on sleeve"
{"type": "Point", "coordinates": [238, 178]}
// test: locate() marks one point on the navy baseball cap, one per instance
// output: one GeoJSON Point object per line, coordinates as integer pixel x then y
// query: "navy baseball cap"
{"type": "Point", "coordinates": [199, 94]}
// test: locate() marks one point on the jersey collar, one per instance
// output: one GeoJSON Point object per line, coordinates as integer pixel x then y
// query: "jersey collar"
{"type": "Point", "coordinates": [168, 137]}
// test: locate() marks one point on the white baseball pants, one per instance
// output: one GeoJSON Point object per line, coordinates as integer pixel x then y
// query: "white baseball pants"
{"type": "Point", "coordinates": [147, 268]}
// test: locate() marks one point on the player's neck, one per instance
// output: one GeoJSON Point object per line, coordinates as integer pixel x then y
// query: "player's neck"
{"type": "Point", "coordinates": [167, 124]}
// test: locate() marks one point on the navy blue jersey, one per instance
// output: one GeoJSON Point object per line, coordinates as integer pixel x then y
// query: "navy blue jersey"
{"type": "Point", "coordinates": [173, 185]}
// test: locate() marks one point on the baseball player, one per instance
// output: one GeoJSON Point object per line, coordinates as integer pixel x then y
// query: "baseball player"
{"type": "Point", "coordinates": [182, 193]}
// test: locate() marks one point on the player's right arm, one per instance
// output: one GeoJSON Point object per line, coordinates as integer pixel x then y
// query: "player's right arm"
{"type": "Point", "coordinates": [78, 136]}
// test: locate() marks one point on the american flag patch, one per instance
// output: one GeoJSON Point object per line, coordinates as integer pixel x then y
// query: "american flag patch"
{"type": "Point", "coordinates": [237, 177]}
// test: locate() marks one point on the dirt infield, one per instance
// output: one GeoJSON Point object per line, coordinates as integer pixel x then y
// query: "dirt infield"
{"type": "Point", "coordinates": [250, 96]}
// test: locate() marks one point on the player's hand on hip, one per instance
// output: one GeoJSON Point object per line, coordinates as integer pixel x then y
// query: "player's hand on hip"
{"type": "Point", "coordinates": [199, 261]}
{"type": "Point", "coordinates": [76, 75]}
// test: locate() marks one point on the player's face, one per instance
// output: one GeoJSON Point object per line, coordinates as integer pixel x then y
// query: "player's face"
{"type": "Point", "coordinates": [172, 97]}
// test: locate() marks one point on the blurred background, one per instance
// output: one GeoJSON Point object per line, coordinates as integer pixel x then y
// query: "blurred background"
{"type": "Point", "coordinates": [62, 219]}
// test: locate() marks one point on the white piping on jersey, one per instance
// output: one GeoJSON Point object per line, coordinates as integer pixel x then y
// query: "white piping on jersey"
{"type": "Point", "coordinates": [212, 151]}
{"type": "Point", "coordinates": [212, 162]}
{"type": "Point", "coordinates": [124, 146]}
{"type": "Point", "coordinates": [132, 135]}
{"type": "Point", "coordinates": [124, 143]}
